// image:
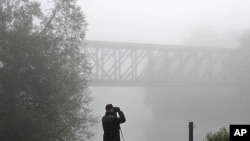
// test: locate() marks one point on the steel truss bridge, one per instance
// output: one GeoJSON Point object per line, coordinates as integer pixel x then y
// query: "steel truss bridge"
{"type": "Point", "coordinates": [130, 64]}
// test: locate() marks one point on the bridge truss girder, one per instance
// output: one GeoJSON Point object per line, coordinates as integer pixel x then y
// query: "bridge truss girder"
{"type": "Point", "coordinates": [121, 64]}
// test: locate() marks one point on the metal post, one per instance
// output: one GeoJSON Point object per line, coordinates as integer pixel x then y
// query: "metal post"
{"type": "Point", "coordinates": [191, 127]}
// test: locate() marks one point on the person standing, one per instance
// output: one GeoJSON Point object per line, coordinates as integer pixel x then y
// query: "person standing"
{"type": "Point", "coordinates": [111, 123]}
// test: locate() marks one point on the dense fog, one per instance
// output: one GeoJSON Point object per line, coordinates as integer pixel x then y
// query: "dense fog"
{"type": "Point", "coordinates": [194, 22]}
{"type": "Point", "coordinates": [163, 113]}
{"type": "Point", "coordinates": [209, 108]}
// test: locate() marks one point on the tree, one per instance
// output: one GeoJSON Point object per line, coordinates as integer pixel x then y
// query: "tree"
{"type": "Point", "coordinates": [221, 135]}
{"type": "Point", "coordinates": [43, 72]}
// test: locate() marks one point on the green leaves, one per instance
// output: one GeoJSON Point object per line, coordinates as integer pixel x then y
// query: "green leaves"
{"type": "Point", "coordinates": [43, 72]}
{"type": "Point", "coordinates": [221, 135]}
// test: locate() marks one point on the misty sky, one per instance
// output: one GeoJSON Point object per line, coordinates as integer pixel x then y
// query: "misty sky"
{"type": "Point", "coordinates": [163, 113]}
{"type": "Point", "coordinates": [164, 21]}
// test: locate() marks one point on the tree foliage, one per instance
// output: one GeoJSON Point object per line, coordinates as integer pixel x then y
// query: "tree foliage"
{"type": "Point", "coordinates": [43, 72]}
{"type": "Point", "coordinates": [221, 135]}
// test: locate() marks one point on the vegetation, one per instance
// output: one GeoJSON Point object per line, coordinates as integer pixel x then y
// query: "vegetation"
{"type": "Point", "coordinates": [221, 135]}
{"type": "Point", "coordinates": [43, 72]}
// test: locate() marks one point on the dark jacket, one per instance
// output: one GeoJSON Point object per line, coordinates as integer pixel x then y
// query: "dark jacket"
{"type": "Point", "coordinates": [111, 125]}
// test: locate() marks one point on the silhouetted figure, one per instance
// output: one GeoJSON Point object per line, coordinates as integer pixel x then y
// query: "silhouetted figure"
{"type": "Point", "coordinates": [111, 123]}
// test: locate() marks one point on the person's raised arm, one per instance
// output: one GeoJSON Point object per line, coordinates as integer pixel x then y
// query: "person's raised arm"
{"type": "Point", "coordinates": [121, 118]}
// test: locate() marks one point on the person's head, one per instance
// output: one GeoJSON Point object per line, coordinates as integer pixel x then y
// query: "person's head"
{"type": "Point", "coordinates": [109, 108]}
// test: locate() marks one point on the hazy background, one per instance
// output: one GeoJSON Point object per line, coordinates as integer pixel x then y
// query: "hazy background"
{"type": "Point", "coordinates": [167, 21]}
{"type": "Point", "coordinates": [160, 113]}
{"type": "Point", "coordinates": [163, 113]}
